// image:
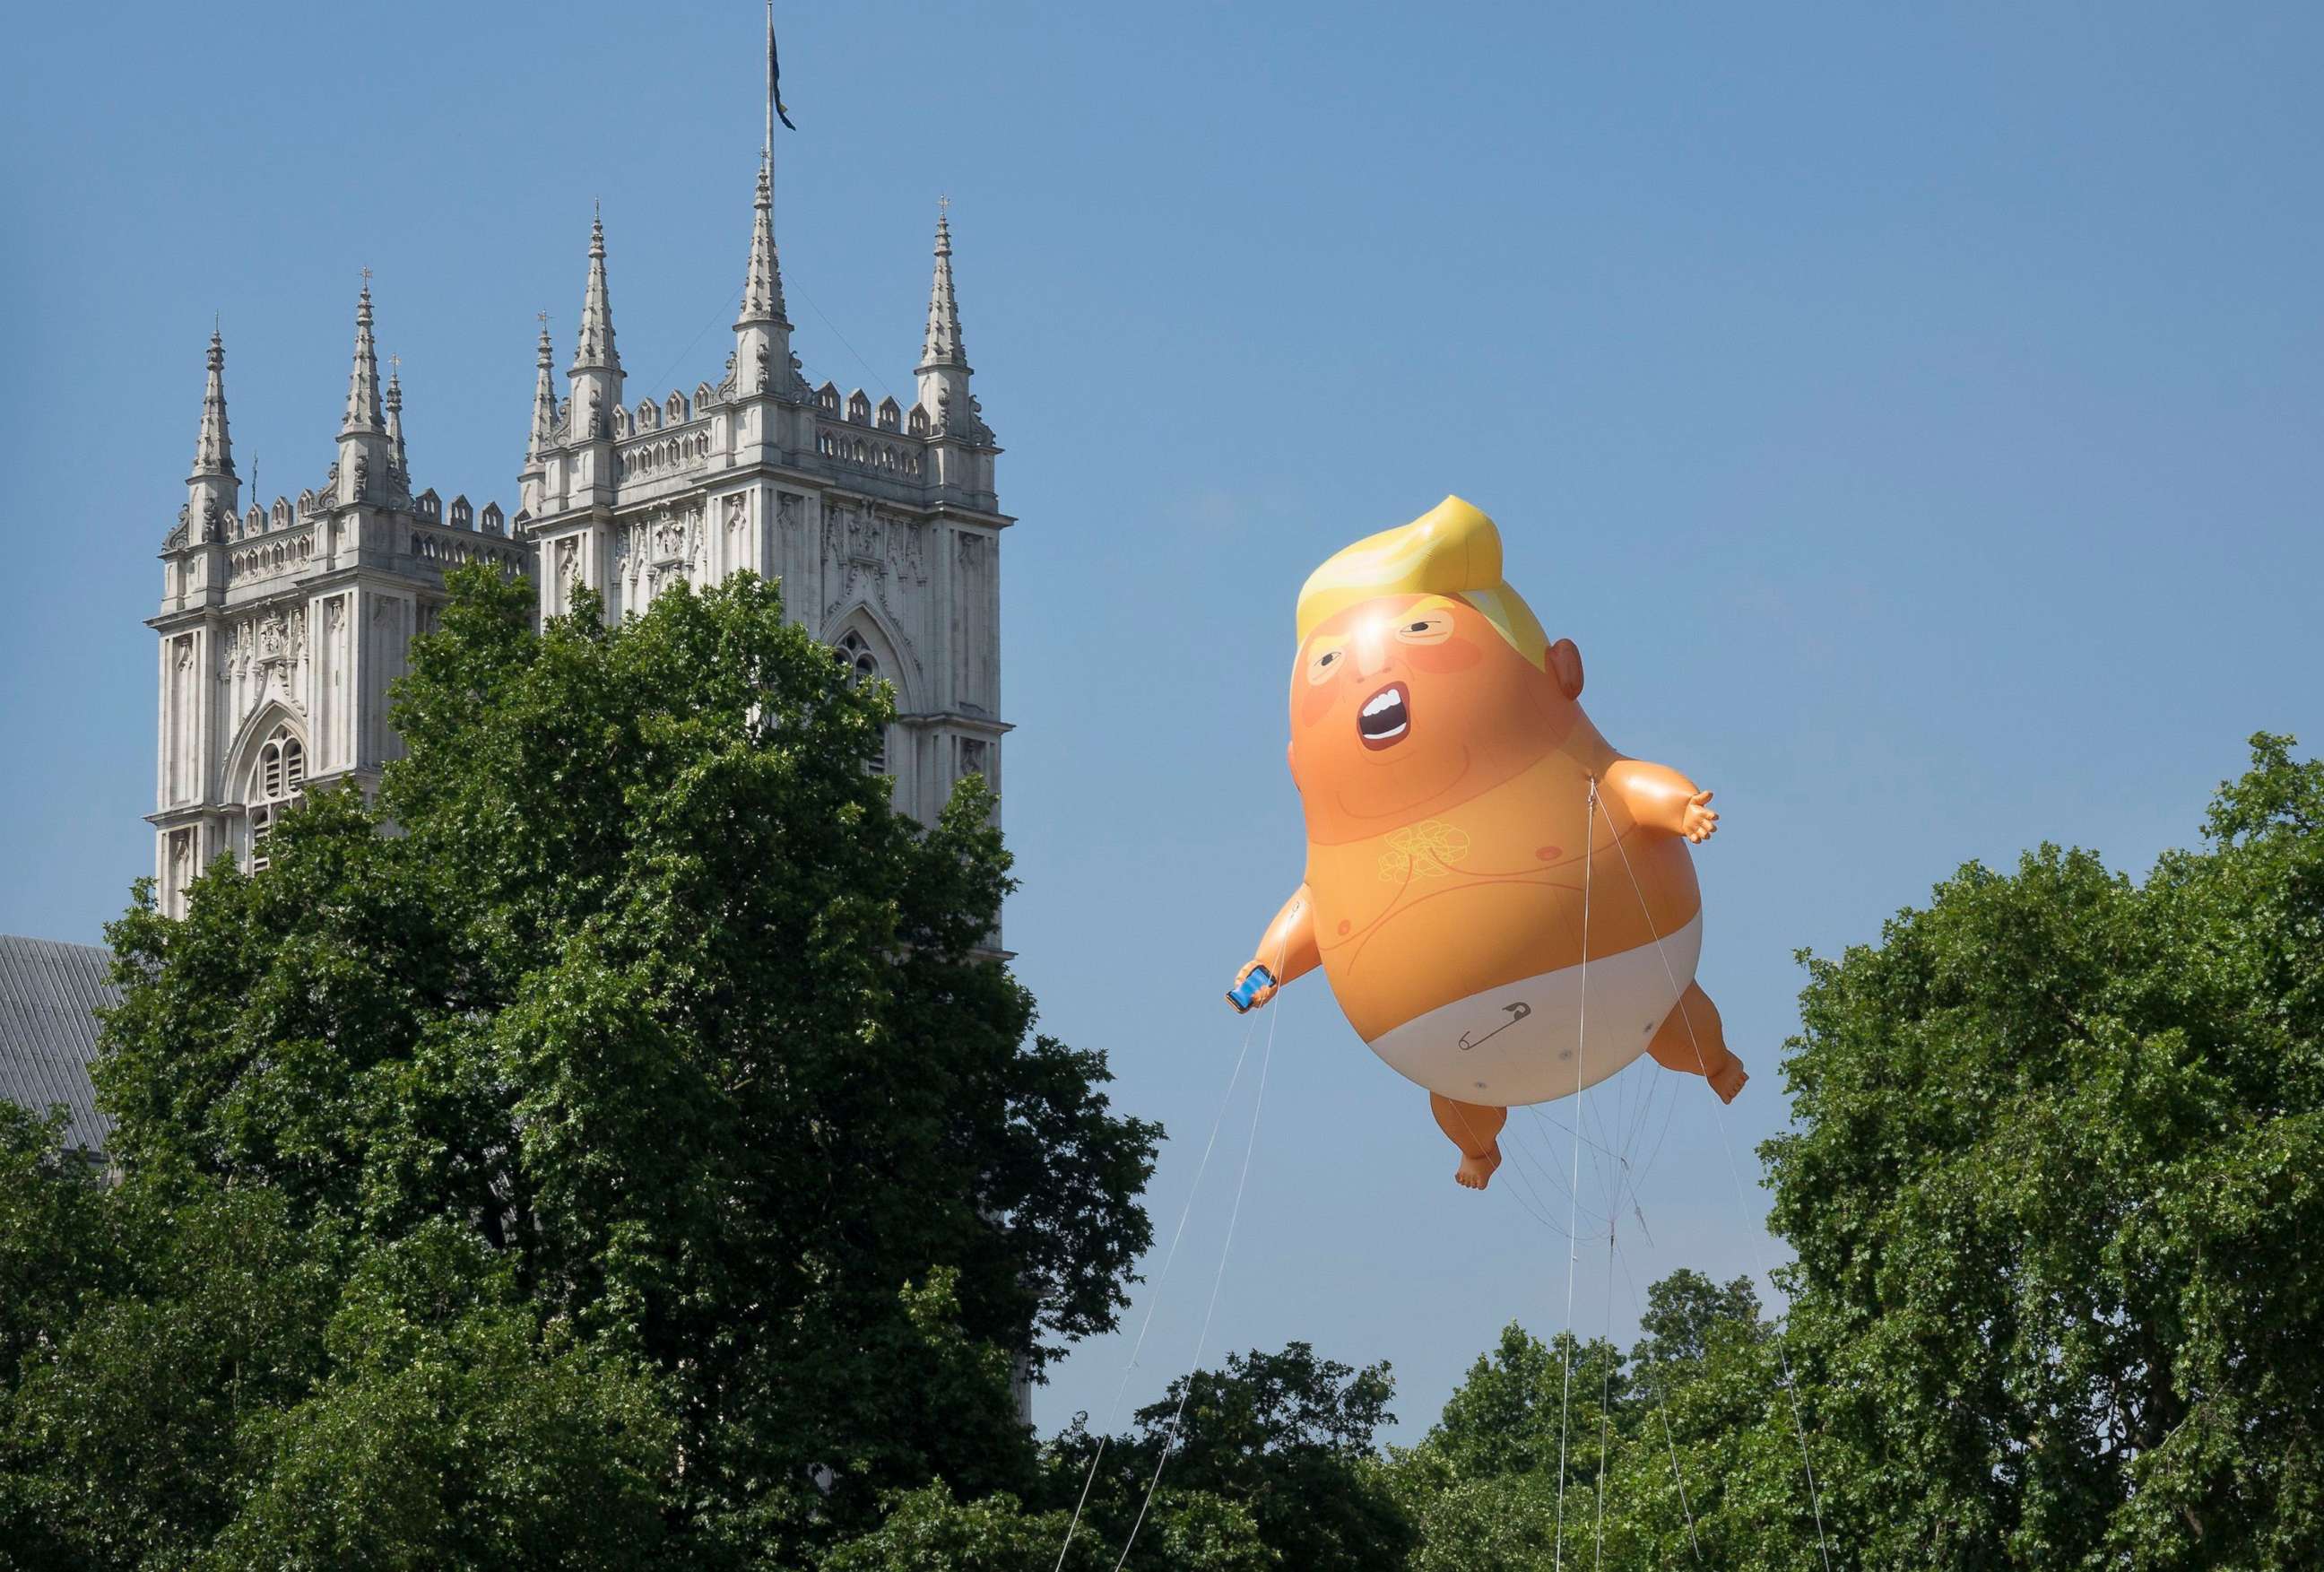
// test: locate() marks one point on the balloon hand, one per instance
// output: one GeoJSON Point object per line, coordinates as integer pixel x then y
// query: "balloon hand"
{"type": "Point", "coordinates": [1259, 996]}
{"type": "Point", "coordinates": [1698, 822]}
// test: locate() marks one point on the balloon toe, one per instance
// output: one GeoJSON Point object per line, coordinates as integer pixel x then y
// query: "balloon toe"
{"type": "Point", "coordinates": [1477, 1172]}
{"type": "Point", "coordinates": [1728, 1078]}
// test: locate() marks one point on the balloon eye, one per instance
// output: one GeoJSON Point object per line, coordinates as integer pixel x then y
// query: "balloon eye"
{"type": "Point", "coordinates": [1327, 657]}
{"type": "Point", "coordinates": [1418, 628]}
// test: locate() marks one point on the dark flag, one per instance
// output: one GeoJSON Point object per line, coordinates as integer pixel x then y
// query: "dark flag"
{"type": "Point", "coordinates": [775, 77]}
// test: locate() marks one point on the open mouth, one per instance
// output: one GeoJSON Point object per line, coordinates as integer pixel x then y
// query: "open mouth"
{"type": "Point", "coordinates": [1386, 717]}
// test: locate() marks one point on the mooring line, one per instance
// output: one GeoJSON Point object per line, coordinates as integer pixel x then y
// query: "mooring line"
{"type": "Point", "coordinates": [1735, 1176]}
{"type": "Point", "coordinates": [1573, 1245]}
{"type": "Point", "coordinates": [1202, 1340]}
{"type": "Point", "coordinates": [1154, 1299]}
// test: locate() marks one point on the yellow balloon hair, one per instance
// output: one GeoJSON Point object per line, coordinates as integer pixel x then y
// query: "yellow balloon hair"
{"type": "Point", "coordinates": [1451, 550]}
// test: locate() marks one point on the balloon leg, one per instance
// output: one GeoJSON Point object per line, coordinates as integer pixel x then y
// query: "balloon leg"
{"type": "Point", "coordinates": [1692, 1040]}
{"type": "Point", "coordinates": [1472, 1127]}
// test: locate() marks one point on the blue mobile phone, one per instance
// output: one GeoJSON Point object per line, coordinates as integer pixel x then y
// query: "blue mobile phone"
{"type": "Point", "coordinates": [1248, 989]}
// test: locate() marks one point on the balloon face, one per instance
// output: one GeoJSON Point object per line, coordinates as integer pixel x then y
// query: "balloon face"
{"type": "Point", "coordinates": [1409, 701]}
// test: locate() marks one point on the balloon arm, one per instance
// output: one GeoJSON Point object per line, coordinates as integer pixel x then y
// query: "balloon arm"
{"type": "Point", "coordinates": [1659, 798]}
{"type": "Point", "coordinates": [1288, 949]}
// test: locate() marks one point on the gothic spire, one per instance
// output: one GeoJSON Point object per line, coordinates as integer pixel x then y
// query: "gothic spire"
{"type": "Point", "coordinates": [367, 450]}
{"type": "Point", "coordinates": [212, 450]}
{"type": "Point", "coordinates": [363, 412]}
{"type": "Point", "coordinates": [363, 382]}
{"type": "Point", "coordinates": [762, 285]}
{"type": "Point", "coordinates": [593, 351]}
{"type": "Point", "coordinates": [942, 346]}
{"type": "Point", "coordinates": [211, 490]}
{"type": "Point", "coordinates": [394, 404]}
{"type": "Point", "coordinates": [544, 399]}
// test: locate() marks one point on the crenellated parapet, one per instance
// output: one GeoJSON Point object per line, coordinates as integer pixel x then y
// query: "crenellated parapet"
{"type": "Point", "coordinates": [660, 456]}
{"type": "Point", "coordinates": [279, 555]}
{"type": "Point", "coordinates": [842, 444]}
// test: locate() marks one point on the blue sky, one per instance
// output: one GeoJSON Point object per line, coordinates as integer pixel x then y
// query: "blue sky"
{"type": "Point", "coordinates": [1914, 417]}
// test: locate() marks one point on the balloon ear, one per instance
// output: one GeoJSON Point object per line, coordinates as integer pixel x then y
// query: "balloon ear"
{"type": "Point", "coordinates": [1565, 665]}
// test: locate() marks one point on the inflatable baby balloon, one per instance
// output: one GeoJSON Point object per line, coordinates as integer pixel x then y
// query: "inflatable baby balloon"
{"type": "Point", "coordinates": [1458, 801]}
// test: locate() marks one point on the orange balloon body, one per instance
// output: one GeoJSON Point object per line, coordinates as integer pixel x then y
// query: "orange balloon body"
{"type": "Point", "coordinates": [1447, 779]}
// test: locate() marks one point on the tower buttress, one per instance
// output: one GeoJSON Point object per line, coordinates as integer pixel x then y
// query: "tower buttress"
{"type": "Point", "coordinates": [400, 469]}
{"type": "Point", "coordinates": [531, 481]}
{"type": "Point", "coordinates": [594, 378]}
{"type": "Point", "coordinates": [762, 332]}
{"type": "Point", "coordinates": [962, 448]}
{"type": "Point", "coordinates": [212, 490]}
{"type": "Point", "coordinates": [944, 370]}
{"type": "Point", "coordinates": [366, 453]}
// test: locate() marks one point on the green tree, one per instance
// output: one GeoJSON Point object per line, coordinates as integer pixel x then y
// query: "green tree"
{"type": "Point", "coordinates": [55, 1234]}
{"type": "Point", "coordinates": [201, 1312]}
{"type": "Point", "coordinates": [2056, 1183]}
{"type": "Point", "coordinates": [928, 1530]}
{"type": "Point", "coordinates": [750, 1160]}
{"type": "Point", "coordinates": [452, 1428]}
{"type": "Point", "coordinates": [1678, 1454]}
{"type": "Point", "coordinates": [1482, 1486]}
{"type": "Point", "coordinates": [1287, 1435]}
{"type": "Point", "coordinates": [1687, 1313]}
{"type": "Point", "coordinates": [1717, 1474]}
{"type": "Point", "coordinates": [1527, 1403]}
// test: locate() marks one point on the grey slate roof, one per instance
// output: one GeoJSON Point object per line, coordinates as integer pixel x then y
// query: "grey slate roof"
{"type": "Point", "coordinates": [49, 993]}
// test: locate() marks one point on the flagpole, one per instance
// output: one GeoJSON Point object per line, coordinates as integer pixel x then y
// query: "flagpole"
{"type": "Point", "coordinates": [768, 151]}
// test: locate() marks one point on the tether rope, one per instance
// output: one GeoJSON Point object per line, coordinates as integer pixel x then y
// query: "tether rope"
{"type": "Point", "coordinates": [1234, 1214]}
{"type": "Point", "coordinates": [1538, 1210]}
{"type": "Point", "coordinates": [1154, 1298]}
{"type": "Point", "coordinates": [1663, 1404]}
{"type": "Point", "coordinates": [1605, 1404]}
{"type": "Point", "coordinates": [1573, 1245]}
{"type": "Point", "coordinates": [715, 317]}
{"type": "Point", "coordinates": [1735, 1176]}
{"type": "Point", "coordinates": [794, 288]}
{"type": "Point", "coordinates": [1634, 1177]}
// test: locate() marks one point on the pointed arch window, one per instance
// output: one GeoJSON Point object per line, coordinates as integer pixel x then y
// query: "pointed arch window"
{"type": "Point", "coordinates": [863, 666]}
{"type": "Point", "coordinates": [278, 777]}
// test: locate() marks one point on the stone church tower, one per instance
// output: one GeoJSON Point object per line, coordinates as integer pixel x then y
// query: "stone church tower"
{"type": "Point", "coordinates": [881, 523]}
{"type": "Point", "coordinates": [281, 628]}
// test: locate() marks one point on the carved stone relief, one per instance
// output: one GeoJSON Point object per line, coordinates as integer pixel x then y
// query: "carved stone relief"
{"type": "Point", "coordinates": [867, 535]}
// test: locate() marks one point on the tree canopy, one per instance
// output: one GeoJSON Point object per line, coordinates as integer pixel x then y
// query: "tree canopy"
{"type": "Point", "coordinates": [629, 1099]}
{"type": "Point", "coordinates": [621, 1143]}
{"type": "Point", "coordinates": [2056, 1183]}
{"type": "Point", "coordinates": [1288, 1436]}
